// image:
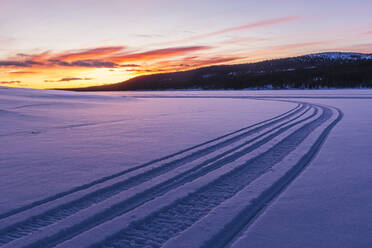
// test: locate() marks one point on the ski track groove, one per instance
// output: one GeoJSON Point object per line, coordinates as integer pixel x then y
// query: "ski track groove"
{"type": "Point", "coordinates": [37, 222]}
{"type": "Point", "coordinates": [158, 227]}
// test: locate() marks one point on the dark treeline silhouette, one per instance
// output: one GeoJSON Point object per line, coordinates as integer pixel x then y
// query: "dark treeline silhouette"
{"type": "Point", "coordinates": [326, 70]}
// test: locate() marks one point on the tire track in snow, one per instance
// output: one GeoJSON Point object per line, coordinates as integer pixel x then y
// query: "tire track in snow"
{"type": "Point", "coordinates": [156, 229]}
{"type": "Point", "coordinates": [156, 237]}
{"type": "Point", "coordinates": [36, 223]}
{"type": "Point", "coordinates": [241, 223]}
{"type": "Point", "coordinates": [162, 188]}
{"type": "Point", "coordinates": [113, 226]}
{"type": "Point", "coordinates": [106, 178]}
{"type": "Point", "coordinates": [227, 221]}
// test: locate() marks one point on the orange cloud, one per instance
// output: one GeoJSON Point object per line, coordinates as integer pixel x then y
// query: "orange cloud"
{"type": "Point", "coordinates": [89, 53]}
{"type": "Point", "coordinates": [89, 66]}
{"type": "Point", "coordinates": [159, 53]}
{"type": "Point", "coordinates": [185, 63]}
{"type": "Point", "coordinates": [103, 57]}
{"type": "Point", "coordinates": [23, 72]}
{"type": "Point", "coordinates": [94, 57]}
{"type": "Point", "coordinates": [200, 62]}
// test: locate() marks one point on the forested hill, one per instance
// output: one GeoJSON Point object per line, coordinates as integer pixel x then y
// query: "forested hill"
{"type": "Point", "coordinates": [336, 70]}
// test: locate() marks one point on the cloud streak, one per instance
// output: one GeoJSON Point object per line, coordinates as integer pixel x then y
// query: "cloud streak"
{"type": "Point", "coordinates": [301, 45]}
{"type": "Point", "coordinates": [362, 48]}
{"type": "Point", "coordinates": [67, 79]}
{"type": "Point", "coordinates": [159, 53]}
{"type": "Point", "coordinates": [10, 82]}
{"type": "Point", "coordinates": [72, 79]}
{"type": "Point", "coordinates": [103, 57]}
{"type": "Point", "coordinates": [292, 49]}
{"type": "Point", "coordinates": [185, 63]}
{"type": "Point", "coordinates": [92, 63]}
{"type": "Point", "coordinates": [263, 23]}
{"type": "Point", "coordinates": [268, 22]}
{"type": "Point", "coordinates": [89, 53]}
{"type": "Point", "coordinates": [23, 72]}
{"type": "Point", "coordinates": [14, 63]}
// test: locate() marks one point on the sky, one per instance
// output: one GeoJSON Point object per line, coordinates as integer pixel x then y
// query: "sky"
{"type": "Point", "coordinates": [78, 43]}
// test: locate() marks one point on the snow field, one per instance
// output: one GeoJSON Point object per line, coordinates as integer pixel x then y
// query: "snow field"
{"type": "Point", "coordinates": [122, 221]}
{"type": "Point", "coordinates": [76, 139]}
{"type": "Point", "coordinates": [62, 209]}
{"type": "Point", "coordinates": [202, 196]}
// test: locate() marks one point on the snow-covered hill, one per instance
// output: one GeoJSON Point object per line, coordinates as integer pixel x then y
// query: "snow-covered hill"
{"type": "Point", "coordinates": [341, 56]}
{"type": "Point", "coordinates": [322, 70]}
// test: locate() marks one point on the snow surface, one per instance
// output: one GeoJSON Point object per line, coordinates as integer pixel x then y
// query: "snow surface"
{"type": "Point", "coordinates": [64, 139]}
{"type": "Point", "coordinates": [288, 168]}
{"type": "Point", "coordinates": [329, 205]}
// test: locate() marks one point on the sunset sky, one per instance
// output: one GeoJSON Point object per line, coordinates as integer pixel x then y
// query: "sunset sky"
{"type": "Point", "coordinates": [74, 43]}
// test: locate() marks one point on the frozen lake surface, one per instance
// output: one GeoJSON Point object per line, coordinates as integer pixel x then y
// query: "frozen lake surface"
{"type": "Point", "coordinates": [185, 168]}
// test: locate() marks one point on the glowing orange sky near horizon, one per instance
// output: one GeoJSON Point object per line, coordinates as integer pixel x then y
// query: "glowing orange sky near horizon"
{"type": "Point", "coordinates": [76, 45]}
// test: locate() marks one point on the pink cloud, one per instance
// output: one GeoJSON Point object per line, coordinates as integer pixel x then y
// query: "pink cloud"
{"type": "Point", "coordinates": [194, 62]}
{"type": "Point", "coordinates": [93, 53]}
{"type": "Point", "coordinates": [300, 45]}
{"type": "Point", "coordinates": [102, 57]}
{"type": "Point", "coordinates": [264, 23]}
{"type": "Point", "coordinates": [243, 41]}
{"type": "Point", "coordinates": [360, 48]}
{"type": "Point", "coordinates": [159, 53]}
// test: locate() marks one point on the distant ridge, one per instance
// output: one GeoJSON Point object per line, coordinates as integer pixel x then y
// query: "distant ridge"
{"type": "Point", "coordinates": [341, 56]}
{"type": "Point", "coordinates": [318, 70]}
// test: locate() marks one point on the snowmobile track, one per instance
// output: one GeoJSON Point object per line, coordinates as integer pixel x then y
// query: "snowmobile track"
{"type": "Point", "coordinates": [222, 167]}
